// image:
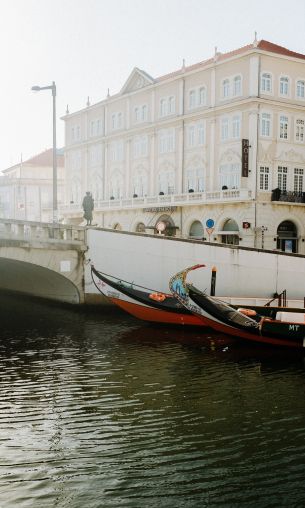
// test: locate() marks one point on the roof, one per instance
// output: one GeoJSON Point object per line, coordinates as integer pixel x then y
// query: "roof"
{"type": "Point", "coordinates": [44, 159]}
{"type": "Point", "coordinates": [262, 45]}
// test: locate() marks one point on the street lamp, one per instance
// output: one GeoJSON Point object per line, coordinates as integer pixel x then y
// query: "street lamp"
{"type": "Point", "coordinates": [53, 88]}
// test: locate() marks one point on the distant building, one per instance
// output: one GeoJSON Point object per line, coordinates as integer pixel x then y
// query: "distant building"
{"type": "Point", "coordinates": [26, 189]}
{"type": "Point", "coordinates": [215, 150]}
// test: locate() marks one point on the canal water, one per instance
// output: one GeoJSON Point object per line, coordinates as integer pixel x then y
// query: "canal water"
{"type": "Point", "coordinates": [99, 410]}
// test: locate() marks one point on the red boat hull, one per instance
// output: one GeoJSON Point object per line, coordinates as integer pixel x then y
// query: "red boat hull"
{"type": "Point", "coordinates": [157, 315]}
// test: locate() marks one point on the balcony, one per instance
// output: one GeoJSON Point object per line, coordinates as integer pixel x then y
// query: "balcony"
{"type": "Point", "coordinates": [170, 200]}
{"type": "Point", "coordinates": [287, 196]}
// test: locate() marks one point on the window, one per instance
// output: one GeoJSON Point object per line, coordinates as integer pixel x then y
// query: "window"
{"type": "Point", "coordinates": [225, 88]}
{"type": "Point", "coordinates": [137, 115]}
{"type": "Point", "coordinates": [224, 129]}
{"type": "Point", "coordinates": [266, 124]}
{"type": "Point", "coordinates": [197, 97]}
{"type": "Point", "coordinates": [266, 83]}
{"type": "Point", "coordinates": [166, 182]}
{"type": "Point", "coordinates": [167, 106]}
{"type": "Point", "coordinates": [195, 180]}
{"type": "Point", "coordinates": [144, 113]}
{"type": "Point", "coordinates": [192, 99]}
{"type": "Point", "coordinates": [167, 141]}
{"type": "Point", "coordinates": [264, 173]}
{"type": "Point", "coordinates": [116, 185]}
{"type": "Point", "coordinates": [298, 179]}
{"type": "Point", "coordinates": [284, 85]}
{"type": "Point", "coordinates": [171, 105]}
{"type": "Point", "coordinates": [200, 133]}
{"type": "Point", "coordinates": [117, 151]}
{"type": "Point", "coordinates": [195, 134]}
{"type": "Point", "coordinates": [202, 96]}
{"type": "Point", "coordinates": [301, 89]}
{"type": "Point", "coordinates": [299, 131]}
{"type": "Point", "coordinates": [117, 120]}
{"type": "Point", "coordinates": [140, 146]}
{"type": "Point", "coordinates": [283, 127]}
{"type": "Point", "coordinates": [191, 135]}
{"type": "Point", "coordinates": [95, 127]}
{"type": "Point", "coordinates": [282, 172]}
{"type": "Point", "coordinates": [140, 184]}
{"type": "Point", "coordinates": [236, 127]}
{"type": "Point", "coordinates": [229, 176]}
{"type": "Point", "coordinates": [237, 85]}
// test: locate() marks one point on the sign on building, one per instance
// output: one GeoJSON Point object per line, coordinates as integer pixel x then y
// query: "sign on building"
{"type": "Point", "coordinates": [245, 157]}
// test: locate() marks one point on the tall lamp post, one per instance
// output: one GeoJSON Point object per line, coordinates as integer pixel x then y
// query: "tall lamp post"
{"type": "Point", "coordinates": [53, 88]}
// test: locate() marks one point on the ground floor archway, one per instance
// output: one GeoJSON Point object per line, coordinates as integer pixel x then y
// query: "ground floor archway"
{"type": "Point", "coordinates": [287, 237]}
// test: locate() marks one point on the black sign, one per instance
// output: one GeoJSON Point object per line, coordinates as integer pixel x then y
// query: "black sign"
{"type": "Point", "coordinates": [245, 157]}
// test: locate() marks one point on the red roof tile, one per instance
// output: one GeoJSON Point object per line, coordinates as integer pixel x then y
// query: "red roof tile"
{"type": "Point", "coordinates": [262, 45]}
{"type": "Point", "coordinates": [46, 159]}
{"type": "Point", "coordinates": [274, 48]}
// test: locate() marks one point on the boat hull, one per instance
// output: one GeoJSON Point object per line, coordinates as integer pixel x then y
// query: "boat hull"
{"type": "Point", "coordinates": [226, 319]}
{"type": "Point", "coordinates": [156, 315]}
{"type": "Point", "coordinates": [167, 311]}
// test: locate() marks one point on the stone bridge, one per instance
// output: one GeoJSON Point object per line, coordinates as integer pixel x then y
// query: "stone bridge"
{"type": "Point", "coordinates": [43, 260]}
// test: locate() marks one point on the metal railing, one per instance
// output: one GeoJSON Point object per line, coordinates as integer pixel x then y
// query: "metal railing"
{"type": "Point", "coordinates": [287, 196]}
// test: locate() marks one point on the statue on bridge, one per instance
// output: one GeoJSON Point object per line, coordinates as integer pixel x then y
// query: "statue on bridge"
{"type": "Point", "coordinates": [88, 207]}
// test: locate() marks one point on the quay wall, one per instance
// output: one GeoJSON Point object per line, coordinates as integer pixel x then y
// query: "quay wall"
{"type": "Point", "coordinates": [150, 261]}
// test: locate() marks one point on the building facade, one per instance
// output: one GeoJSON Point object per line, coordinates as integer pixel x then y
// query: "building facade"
{"type": "Point", "coordinates": [26, 189]}
{"type": "Point", "coordinates": [213, 151]}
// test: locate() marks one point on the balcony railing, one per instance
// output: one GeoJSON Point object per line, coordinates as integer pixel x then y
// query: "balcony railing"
{"type": "Point", "coordinates": [183, 199]}
{"type": "Point", "coordinates": [287, 196]}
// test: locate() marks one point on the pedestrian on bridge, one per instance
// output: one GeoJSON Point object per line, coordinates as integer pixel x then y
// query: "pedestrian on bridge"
{"type": "Point", "coordinates": [88, 207]}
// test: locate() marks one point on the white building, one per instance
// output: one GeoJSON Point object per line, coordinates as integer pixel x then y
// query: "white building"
{"type": "Point", "coordinates": [170, 150]}
{"type": "Point", "coordinates": [26, 189]}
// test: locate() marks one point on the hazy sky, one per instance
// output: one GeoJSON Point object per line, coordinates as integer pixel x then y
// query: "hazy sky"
{"type": "Point", "coordinates": [88, 46]}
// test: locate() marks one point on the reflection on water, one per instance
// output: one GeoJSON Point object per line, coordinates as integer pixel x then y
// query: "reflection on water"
{"type": "Point", "coordinates": [99, 410]}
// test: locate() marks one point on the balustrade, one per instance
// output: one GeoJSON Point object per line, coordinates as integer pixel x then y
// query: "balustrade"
{"type": "Point", "coordinates": [33, 231]}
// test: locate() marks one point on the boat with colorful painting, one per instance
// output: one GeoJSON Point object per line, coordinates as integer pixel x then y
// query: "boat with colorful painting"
{"type": "Point", "coordinates": [287, 328]}
{"type": "Point", "coordinates": [143, 303]}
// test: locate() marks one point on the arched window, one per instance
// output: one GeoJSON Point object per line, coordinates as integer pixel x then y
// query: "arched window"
{"type": "Point", "coordinates": [202, 96]}
{"type": "Point", "coordinates": [96, 184]}
{"type": "Point", "coordinates": [163, 109]}
{"type": "Point", "coordinates": [140, 184]}
{"type": "Point", "coordinates": [284, 85]}
{"type": "Point", "coordinates": [230, 233]}
{"type": "Point", "coordinates": [167, 182]}
{"type": "Point", "coordinates": [140, 228]}
{"type": "Point", "coordinates": [75, 191]}
{"type": "Point", "coordinates": [195, 180]}
{"type": "Point", "coordinates": [171, 105]}
{"type": "Point", "coordinates": [192, 99]}
{"type": "Point", "coordinates": [301, 89]}
{"type": "Point", "coordinates": [225, 88]}
{"type": "Point", "coordinates": [116, 185]}
{"type": "Point", "coordinates": [287, 234]}
{"type": "Point", "coordinates": [266, 82]}
{"type": "Point", "coordinates": [237, 85]}
{"type": "Point", "coordinates": [196, 230]}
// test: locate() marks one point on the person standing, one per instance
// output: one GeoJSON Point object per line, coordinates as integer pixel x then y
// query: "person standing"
{"type": "Point", "coordinates": [88, 207]}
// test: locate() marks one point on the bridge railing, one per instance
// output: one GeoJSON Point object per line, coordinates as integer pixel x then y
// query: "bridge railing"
{"type": "Point", "coordinates": [43, 231]}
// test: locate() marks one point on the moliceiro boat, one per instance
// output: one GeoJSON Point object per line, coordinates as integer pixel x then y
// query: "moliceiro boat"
{"type": "Point", "coordinates": [143, 303]}
{"type": "Point", "coordinates": [287, 328]}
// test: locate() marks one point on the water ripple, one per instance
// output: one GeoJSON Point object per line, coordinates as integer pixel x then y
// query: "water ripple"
{"type": "Point", "coordinates": [97, 411]}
